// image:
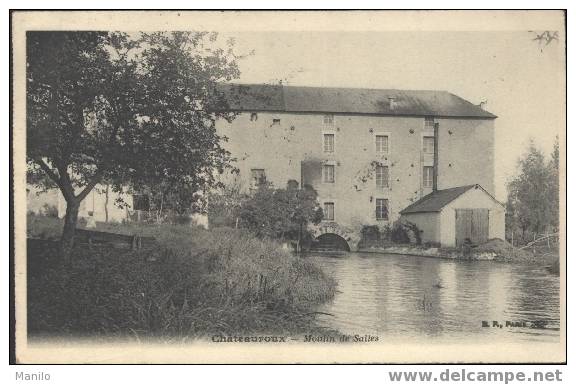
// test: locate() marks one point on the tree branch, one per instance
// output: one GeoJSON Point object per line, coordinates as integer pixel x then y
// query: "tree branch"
{"type": "Point", "coordinates": [48, 170]}
{"type": "Point", "coordinates": [95, 180]}
{"type": "Point", "coordinates": [62, 182]}
{"type": "Point", "coordinates": [65, 183]}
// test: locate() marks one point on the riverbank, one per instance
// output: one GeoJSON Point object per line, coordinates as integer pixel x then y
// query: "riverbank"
{"type": "Point", "coordinates": [442, 253]}
{"type": "Point", "coordinates": [493, 250]}
{"type": "Point", "coordinates": [194, 284]}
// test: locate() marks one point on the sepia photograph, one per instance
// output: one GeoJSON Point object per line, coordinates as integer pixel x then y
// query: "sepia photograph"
{"type": "Point", "coordinates": [289, 187]}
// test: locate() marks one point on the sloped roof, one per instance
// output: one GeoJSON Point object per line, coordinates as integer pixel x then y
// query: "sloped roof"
{"type": "Point", "coordinates": [435, 201]}
{"type": "Point", "coordinates": [281, 98]}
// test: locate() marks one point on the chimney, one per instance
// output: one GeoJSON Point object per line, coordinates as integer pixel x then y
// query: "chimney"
{"type": "Point", "coordinates": [392, 102]}
{"type": "Point", "coordinates": [435, 168]}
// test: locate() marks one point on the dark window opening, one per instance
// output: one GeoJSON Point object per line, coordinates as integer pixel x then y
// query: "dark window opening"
{"type": "Point", "coordinates": [429, 123]}
{"type": "Point", "coordinates": [328, 173]}
{"type": "Point", "coordinates": [381, 209]}
{"type": "Point", "coordinates": [428, 176]}
{"type": "Point", "coordinates": [258, 178]}
{"type": "Point", "coordinates": [329, 211]}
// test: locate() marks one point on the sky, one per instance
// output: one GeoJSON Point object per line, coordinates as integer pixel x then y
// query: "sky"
{"type": "Point", "coordinates": [521, 80]}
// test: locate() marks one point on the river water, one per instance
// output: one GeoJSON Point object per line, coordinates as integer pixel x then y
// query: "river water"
{"type": "Point", "coordinates": [404, 297]}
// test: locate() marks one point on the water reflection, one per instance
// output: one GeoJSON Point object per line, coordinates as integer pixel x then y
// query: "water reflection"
{"type": "Point", "coordinates": [397, 296]}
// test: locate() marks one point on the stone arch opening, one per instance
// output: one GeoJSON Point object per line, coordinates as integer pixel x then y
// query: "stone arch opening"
{"type": "Point", "coordinates": [331, 241]}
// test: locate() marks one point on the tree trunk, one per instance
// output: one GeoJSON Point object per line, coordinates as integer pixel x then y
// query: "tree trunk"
{"type": "Point", "coordinates": [106, 204]}
{"type": "Point", "coordinates": [161, 206]}
{"type": "Point", "coordinates": [67, 239]}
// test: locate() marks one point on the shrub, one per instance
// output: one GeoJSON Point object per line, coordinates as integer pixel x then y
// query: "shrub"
{"type": "Point", "coordinates": [50, 210]}
{"type": "Point", "coordinates": [414, 233]}
{"type": "Point", "coordinates": [399, 234]}
{"type": "Point", "coordinates": [405, 233]}
{"type": "Point", "coordinates": [432, 244]}
{"type": "Point", "coordinates": [370, 232]}
{"type": "Point", "coordinates": [42, 227]}
{"type": "Point", "coordinates": [180, 219]}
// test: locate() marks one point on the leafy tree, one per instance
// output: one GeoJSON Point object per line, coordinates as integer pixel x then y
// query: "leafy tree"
{"type": "Point", "coordinates": [108, 108]}
{"type": "Point", "coordinates": [533, 194]}
{"type": "Point", "coordinates": [223, 205]}
{"type": "Point", "coordinates": [281, 213]}
{"type": "Point", "coordinates": [554, 184]}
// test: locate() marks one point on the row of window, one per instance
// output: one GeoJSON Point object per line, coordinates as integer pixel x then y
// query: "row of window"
{"type": "Point", "coordinates": [382, 176]}
{"type": "Point", "coordinates": [381, 210]}
{"type": "Point", "coordinates": [381, 142]}
{"type": "Point", "coordinates": [329, 121]}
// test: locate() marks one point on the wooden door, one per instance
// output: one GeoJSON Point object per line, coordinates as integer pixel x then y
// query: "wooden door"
{"type": "Point", "coordinates": [471, 224]}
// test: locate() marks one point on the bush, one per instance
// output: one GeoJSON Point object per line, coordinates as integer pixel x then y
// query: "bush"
{"type": "Point", "coordinates": [42, 227]}
{"type": "Point", "coordinates": [50, 210]}
{"type": "Point", "coordinates": [399, 234]}
{"type": "Point", "coordinates": [180, 219]}
{"type": "Point", "coordinates": [405, 233]}
{"type": "Point", "coordinates": [370, 232]}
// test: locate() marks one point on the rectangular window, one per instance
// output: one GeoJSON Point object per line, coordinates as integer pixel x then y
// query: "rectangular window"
{"type": "Point", "coordinates": [382, 176]}
{"type": "Point", "coordinates": [328, 142]}
{"type": "Point", "coordinates": [428, 176]}
{"type": "Point", "coordinates": [329, 120]}
{"type": "Point", "coordinates": [258, 178]}
{"type": "Point", "coordinates": [428, 144]}
{"type": "Point", "coordinates": [428, 123]}
{"type": "Point", "coordinates": [381, 144]}
{"type": "Point", "coordinates": [329, 211]}
{"type": "Point", "coordinates": [328, 173]}
{"type": "Point", "coordinates": [382, 209]}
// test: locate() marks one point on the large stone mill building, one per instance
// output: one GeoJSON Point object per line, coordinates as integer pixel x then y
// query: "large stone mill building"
{"type": "Point", "coordinates": [373, 155]}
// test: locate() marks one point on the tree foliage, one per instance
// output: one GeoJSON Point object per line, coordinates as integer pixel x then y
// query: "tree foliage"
{"type": "Point", "coordinates": [533, 194]}
{"type": "Point", "coordinates": [125, 111]}
{"type": "Point", "coordinates": [281, 213]}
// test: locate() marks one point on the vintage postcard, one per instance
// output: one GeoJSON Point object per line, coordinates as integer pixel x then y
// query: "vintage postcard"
{"type": "Point", "coordinates": [289, 186]}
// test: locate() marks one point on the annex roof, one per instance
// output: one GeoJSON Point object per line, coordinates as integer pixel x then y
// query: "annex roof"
{"type": "Point", "coordinates": [435, 201]}
{"type": "Point", "coordinates": [282, 98]}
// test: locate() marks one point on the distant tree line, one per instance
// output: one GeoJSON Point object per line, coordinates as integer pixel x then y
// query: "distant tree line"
{"type": "Point", "coordinates": [533, 194]}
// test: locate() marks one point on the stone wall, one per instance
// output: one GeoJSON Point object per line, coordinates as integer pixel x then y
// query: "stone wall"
{"type": "Point", "coordinates": [292, 149]}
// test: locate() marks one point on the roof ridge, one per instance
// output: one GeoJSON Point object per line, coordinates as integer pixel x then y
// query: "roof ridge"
{"type": "Point", "coordinates": [413, 208]}
{"type": "Point", "coordinates": [369, 101]}
{"type": "Point", "coordinates": [340, 87]}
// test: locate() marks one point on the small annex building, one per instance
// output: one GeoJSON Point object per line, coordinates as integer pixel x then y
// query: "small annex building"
{"type": "Point", "coordinates": [449, 217]}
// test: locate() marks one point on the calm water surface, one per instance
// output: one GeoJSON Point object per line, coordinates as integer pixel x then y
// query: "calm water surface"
{"type": "Point", "coordinates": [394, 296]}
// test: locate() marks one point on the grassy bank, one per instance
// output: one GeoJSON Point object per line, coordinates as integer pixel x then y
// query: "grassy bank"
{"type": "Point", "coordinates": [196, 283]}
